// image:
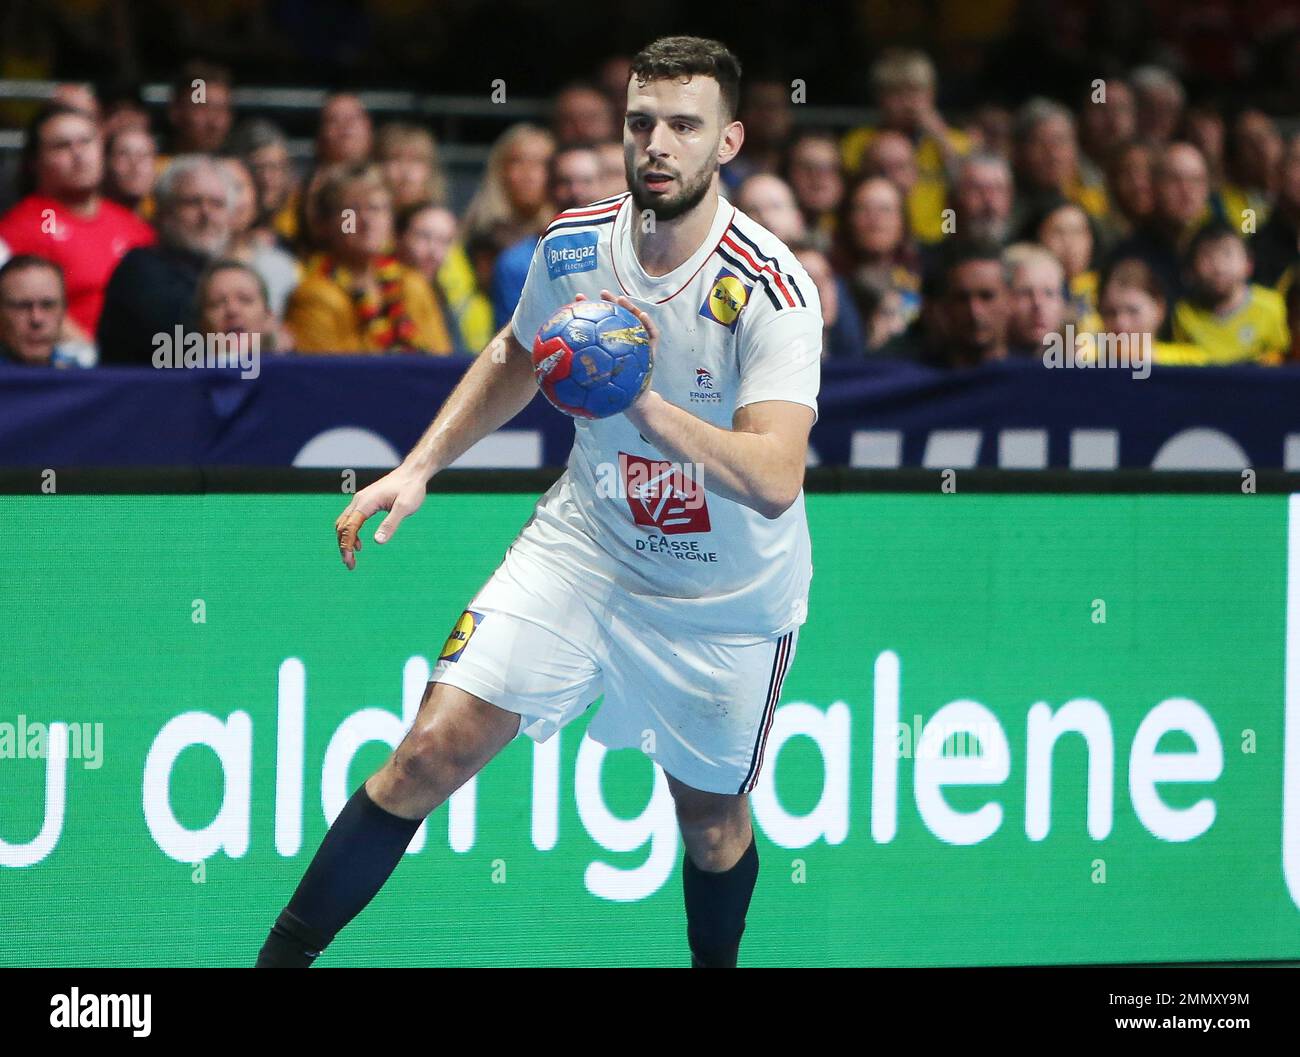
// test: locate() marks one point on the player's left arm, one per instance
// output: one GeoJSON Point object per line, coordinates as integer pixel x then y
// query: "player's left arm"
{"type": "Point", "coordinates": [760, 461]}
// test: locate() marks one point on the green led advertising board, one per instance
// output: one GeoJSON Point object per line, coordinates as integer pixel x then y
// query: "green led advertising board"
{"type": "Point", "coordinates": [1019, 729]}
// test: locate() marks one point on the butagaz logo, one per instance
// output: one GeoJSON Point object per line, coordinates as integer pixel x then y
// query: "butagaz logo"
{"type": "Point", "coordinates": [727, 297]}
{"type": "Point", "coordinates": [663, 495]}
{"type": "Point", "coordinates": [567, 254]}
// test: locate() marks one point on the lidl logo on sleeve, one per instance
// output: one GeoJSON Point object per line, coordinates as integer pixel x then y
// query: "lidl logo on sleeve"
{"type": "Point", "coordinates": [726, 298]}
{"type": "Point", "coordinates": [566, 254]}
{"type": "Point", "coordinates": [460, 635]}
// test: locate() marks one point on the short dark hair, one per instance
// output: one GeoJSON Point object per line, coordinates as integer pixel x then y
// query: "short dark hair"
{"type": "Point", "coordinates": [1132, 273]}
{"type": "Point", "coordinates": [32, 144]}
{"type": "Point", "coordinates": [229, 264]}
{"type": "Point", "coordinates": [584, 147]}
{"type": "Point", "coordinates": [1214, 230]}
{"type": "Point", "coordinates": [684, 57]}
{"type": "Point", "coordinates": [962, 253]}
{"type": "Point", "coordinates": [22, 262]}
{"type": "Point", "coordinates": [252, 134]}
{"type": "Point", "coordinates": [405, 216]}
{"type": "Point", "coordinates": [1292, 301]}
{"type": "Point", "coordinates": [182, 85]}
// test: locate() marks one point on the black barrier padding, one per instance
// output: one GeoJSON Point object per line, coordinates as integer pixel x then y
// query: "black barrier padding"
{"type": "Point", "coordinates": [197, 480]}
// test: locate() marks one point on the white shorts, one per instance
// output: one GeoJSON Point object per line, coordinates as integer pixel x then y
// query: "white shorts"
{"type": "Point", "coordinates": [535, 644]}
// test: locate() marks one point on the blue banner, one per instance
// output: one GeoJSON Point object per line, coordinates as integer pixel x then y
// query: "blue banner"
{"type": "Point", "coordinates": [367, 412]}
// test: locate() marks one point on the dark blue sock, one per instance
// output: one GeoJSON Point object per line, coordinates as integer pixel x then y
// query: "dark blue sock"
{"type": "Point", "coordinates": [357, 856]}
{"type": "Point", "coordinates": [716, 904]}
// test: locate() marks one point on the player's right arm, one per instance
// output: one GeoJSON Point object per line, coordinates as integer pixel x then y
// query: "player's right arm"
{"type": "Point", "coordinates": [498, 385]}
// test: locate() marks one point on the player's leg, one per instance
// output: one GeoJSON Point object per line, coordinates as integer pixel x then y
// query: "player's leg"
{"type": "Point", "coordinates": [454, 735]}
{"type": "Point", "coordinates": [719, 871]}
{"type": "Point", "coordinates": [703, 711]}
{"type": "Point", "coordinates": [523, 646]}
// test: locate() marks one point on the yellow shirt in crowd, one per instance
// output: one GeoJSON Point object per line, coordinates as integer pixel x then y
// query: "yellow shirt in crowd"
{"type": "Point", "coordinates": [472, 309]}
{"type": "Point", "coordinates": [323, 318]}
{"type": "Point", "coordinates": [926, 201]}
{"type": "Point", "coordinates": [1082, 303]}
{"type": "Point", "coordinates": [1237, 200]}
{"type": "Point", "coordinates": [1255, 332]}
{"type": "Point", "coordinates": [1180, 354]}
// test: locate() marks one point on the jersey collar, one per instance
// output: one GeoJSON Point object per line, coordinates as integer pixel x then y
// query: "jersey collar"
{"type": "Point", "coordinates": [656, 289]}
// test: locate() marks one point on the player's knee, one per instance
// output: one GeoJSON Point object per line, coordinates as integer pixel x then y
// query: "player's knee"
{"type": "Point", "coordinates": [434, 755]}
{"type": "Point", "coordinates": [709, 828]}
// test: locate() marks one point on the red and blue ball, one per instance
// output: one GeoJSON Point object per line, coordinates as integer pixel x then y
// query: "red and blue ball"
{"type": "Point", "coordinates": [592, 359]}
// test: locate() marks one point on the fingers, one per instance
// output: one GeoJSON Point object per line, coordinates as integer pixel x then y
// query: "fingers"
{"type": "Point", "coordinates": [348, 528]}
{"type": "Point", "coordinates": [390, 523]}
{"type": "Point", "coordinates": [622, 302]}
{"type": "Point", "coordinates": [635, 309]}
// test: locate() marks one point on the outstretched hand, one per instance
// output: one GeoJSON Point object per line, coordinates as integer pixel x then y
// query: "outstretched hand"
{"type": "Point", "coordinates": [400, 492]}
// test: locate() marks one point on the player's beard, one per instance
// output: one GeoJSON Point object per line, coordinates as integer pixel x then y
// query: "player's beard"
{"type": "Point", "coordinates": [691, 195]}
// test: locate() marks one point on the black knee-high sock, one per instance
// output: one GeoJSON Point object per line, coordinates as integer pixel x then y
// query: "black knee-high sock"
{"type": "Point", "coordinates": [716, 904]}
{"type": "Point", "coordinates": [358, 854]}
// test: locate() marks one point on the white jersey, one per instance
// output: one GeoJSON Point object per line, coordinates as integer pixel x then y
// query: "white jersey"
{"type": "Point", "coordinates": [738, 322]}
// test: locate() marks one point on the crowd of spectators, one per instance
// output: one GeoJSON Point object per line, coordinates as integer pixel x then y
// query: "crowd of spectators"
{"type": "Point", "coordinates": [1128, 210]}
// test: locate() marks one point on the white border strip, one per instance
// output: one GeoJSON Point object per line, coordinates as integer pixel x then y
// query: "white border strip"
{"type": "Point", "coordinates": [1291, 730]}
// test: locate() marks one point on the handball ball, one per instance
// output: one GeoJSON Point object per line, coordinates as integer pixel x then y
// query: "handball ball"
{"type": "Point", "coordinates": [592, 359]}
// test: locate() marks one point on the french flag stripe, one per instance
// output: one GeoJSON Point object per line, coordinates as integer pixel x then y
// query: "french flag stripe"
{"type": "Point", "coordinates": [737, 248]}
{"type": "Point", "coordinates": [779, 665]}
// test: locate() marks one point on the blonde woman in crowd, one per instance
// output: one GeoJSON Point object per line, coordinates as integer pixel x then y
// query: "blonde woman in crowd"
{"type": "Point", "coordinates": [512, 200]}
{"type": "Point", "coordinates": [408, 156]}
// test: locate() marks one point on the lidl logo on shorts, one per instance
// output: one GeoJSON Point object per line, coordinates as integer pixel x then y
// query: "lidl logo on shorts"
{"type": "Point", "coordinates": [460, 635]}
{"type": "Point", "coordinates": [566, 254]}
{"type": "Point", "coordinates": [726, 298]}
